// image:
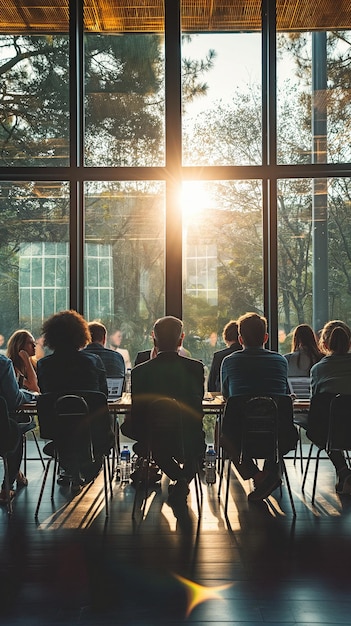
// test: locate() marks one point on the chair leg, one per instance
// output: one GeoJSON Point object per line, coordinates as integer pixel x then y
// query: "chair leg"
{"type": "Point", "coordinates": [198, 490]}
{"type": "Point", "coordinates": [38, 449]}
{"type": "Point", "coordinates": [107, 478]}
{"type": "Point", "coordinates": [24, 439]}
{"type": "Point", "coordinates": [315, 475]}
{"type": "Point", "coordinates": [43, 486]}
{"type": "Point", "coordinates": [7, 487]}
{"type": "Point", "coordinates": [306, 468]}
{"type": "Point", "coordinates": [299, 445]}
{"type": "Point", "coordinates": [227, 488]}
{"type": "Point", "coordinates": [221, 473]}
{"type": "Point", "coordinates": [285, 474]}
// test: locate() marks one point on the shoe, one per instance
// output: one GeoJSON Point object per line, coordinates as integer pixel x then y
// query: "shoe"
{"type": "Point", "coordinates": [264, 488]}
{"type": "Point", "coordinates": [76, 487]}
{"type": "Point", "coordinates": [64, 479]}
{"type": "Point", "coordinates": [3, 496]}
{"type": "Point", "coordinates": [178, 491]}
{"type": "Point", "coordinates": [21, 480]}
{"type": "Point", "coordinates": [343, 486]}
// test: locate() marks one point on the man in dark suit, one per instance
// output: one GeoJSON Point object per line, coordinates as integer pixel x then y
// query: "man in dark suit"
{"type": "Point", "coordinates": [113, 361]}
{"type": "Point", "coordinates": [169, 375]}
{"type": "Point", "coordinates": [231, 339]}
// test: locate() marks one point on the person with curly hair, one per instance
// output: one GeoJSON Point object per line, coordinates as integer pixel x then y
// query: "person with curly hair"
{"type": "Point", "coordinates": [21, 351]}
{"type": "Point", "coordinates": [71, 369]}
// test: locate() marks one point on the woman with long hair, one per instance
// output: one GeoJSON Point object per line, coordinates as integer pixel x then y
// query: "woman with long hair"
{"type": "Point", "coordinates": [332, 375]}
{"type": "Point", "coordinates": [304, 351]}
{"type": "Point", "coordinates": [21, 351]}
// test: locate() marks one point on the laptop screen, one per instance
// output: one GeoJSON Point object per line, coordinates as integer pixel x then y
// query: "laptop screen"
{"type": "Point", "coordinates": [115, 388]}
{"type": "Point", "coordinates": [300, 387]}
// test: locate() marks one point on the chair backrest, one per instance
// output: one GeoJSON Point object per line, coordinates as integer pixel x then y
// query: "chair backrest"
{"type": "Point", "coordinates": [5, 442]}
{"type": "Point", "coordinates": [73, 432]}
{"type": "Point", "coordinates": [98, 416]}
{"type": "Point", "coordinates": [237, 408]}
{"type": "Point", "coordinates": [339, 432]}
{"type": "Point", "coordinates": [165, 425]}
{"type": "Point", "coordinates": [259, 429]}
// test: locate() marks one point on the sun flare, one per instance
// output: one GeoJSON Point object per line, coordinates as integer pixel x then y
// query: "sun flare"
{"type": "Point", "coordinates": [194, 198]}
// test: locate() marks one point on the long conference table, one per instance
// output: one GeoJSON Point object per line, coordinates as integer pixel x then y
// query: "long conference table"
{"type": "Point", "coordinates": [212, 404]}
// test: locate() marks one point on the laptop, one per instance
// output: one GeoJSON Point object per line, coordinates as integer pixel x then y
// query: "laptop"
{"type": "Point", "coordinates": [300, 387]}
{"type": "Point", "coordinates": [114, 388]}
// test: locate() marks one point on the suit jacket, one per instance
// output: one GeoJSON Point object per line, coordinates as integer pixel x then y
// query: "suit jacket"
{"type": "Point", "coordinates": [112, 360]}
{"type": "Point", "coordinates": [172, 376]}
{"type": "Point", "coordinates": [214, 379]}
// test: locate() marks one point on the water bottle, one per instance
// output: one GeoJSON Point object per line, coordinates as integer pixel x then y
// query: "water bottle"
{"type": "Point", "coordinates": [210, 465]}
{"type": "Point", "coordinates": [128, 380]}
{"type": "Point", "coordinates": [125, 464]}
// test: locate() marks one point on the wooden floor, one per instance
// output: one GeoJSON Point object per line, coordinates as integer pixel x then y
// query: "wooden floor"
{"type": "Point", "coordinates": [75, 567]}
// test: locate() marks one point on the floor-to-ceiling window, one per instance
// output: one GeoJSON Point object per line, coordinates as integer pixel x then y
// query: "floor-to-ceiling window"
{"type": "Point", "coordinates": [190, 158]}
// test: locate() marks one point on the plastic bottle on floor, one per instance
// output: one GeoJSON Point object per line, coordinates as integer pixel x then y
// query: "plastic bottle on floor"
{"type": "Point", "coordinates": [210, 465]}
{"type": "Point", "coordinates": [125, 464]}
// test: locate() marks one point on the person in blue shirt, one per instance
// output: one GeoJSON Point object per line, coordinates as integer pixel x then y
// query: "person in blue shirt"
{"type": "Point", "coordinates": [14, 397]}
{"type": "Point", "coordinates": [255, 371]}
{"type": "Point", "coordinates": [112, 360]}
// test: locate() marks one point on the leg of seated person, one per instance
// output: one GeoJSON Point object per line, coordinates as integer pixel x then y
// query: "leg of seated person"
{"type": "Point", "coordinates": [167, 463]}
{"type": "Point", "coordinates": [343, 472]}
{"type": "Point", "coordinates": [14, 458]}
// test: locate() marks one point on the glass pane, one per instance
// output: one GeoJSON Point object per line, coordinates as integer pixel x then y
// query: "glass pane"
{"type": "Point", "coordinates": [34, 105]}
{"type": "Point", "coordinates": [313, 254]}
{"type": "Point", "coordinates": [222, 99]}
{"type": "Point", "coordinates": [124, 99]}
{"type": "Point", "coordinates": [31, 213]}
{"type": "Point", "coordinates": [313, 99]}
{"type": "Point", "coordinates": [131, 239]}
{"type": "Point", "coordinates": [223, 267]}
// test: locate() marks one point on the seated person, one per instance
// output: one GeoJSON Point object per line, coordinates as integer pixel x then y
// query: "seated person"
{"type": "Point", "coordinates": [255, 371]}
{"type": "Point", "coordinates": [115, 343]}
{"type": "Point", "coordinates": [14, 397]}
{"type": "Point", "coordinates": [230, 338]}
{"type": "Point", "coordinates": [169, 375]}
{"type": "Point", "coordinates": [304, 351]}
{"type": "Point", "coordinates": [112, 360]}
{"type": "Point", "coordinates": [21, 351]}
{"type": "Point", "coordinates": [70, 368]}
{"type": "Point", "coordinates": [332, 375]}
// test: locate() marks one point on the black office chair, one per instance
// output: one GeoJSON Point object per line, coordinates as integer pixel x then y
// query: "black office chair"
{"type": "Point", "coordinates": [329, 428]}
{"type": "Point", "coordinates": [9, 436]}
{"type": "Point", "coordinates": [300, 387]}
{"type": "Point", "coordinates": [260, 427]}
{"type": "Point", "coordinates": [165, 424]}
{"type": "Point", "coordinates": [79, 426]}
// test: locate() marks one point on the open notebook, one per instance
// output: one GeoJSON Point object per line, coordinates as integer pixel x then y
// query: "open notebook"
{"type": "Point", "coordinates": [115, 388]}
{"type": "Point", "coordinates": [300, 387]}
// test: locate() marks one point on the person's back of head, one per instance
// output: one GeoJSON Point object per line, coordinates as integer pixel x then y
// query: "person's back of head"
{"type": "Point", "coordinates": [168, 333]}
{"type": "Point", "coordinates": [98, 332]}
{"type": "Point", "coordinates": [339, 341]}
{"type": "Point", "coordinates": [305, 338]}
{"type": "Point", "coordinates": [252, 330]}
{"type": "Point", "coordinates": [328, 331]}
{"type": "Point", "coordinates": [230, 332]}
{"type": "Point", "coordinates": [66, 330]}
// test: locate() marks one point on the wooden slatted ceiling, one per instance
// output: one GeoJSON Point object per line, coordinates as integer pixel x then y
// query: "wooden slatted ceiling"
{"type": "Point", "coordinates": [197, 15]}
